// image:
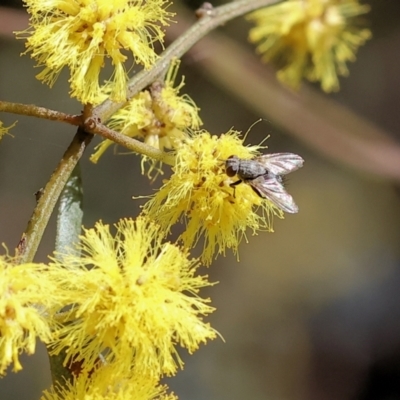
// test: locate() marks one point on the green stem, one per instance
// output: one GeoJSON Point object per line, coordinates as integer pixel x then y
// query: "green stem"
{"type": "Point", "coordinates": [69, 225]}
{"type": "Point", "coordinates": [70, 215]}
{"type": "Point", "coordinates": [210, 18]}
{"type": "Point", "coordinates": [133, 144]}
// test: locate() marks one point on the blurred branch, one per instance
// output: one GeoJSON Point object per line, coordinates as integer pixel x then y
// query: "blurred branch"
{"type": "Point", "coordinates": [320, 122]}
{"type": "Point", "coordinates": [12, 20]}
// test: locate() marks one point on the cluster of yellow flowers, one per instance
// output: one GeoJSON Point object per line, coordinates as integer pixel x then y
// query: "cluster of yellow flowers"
{"type": "Point", "coordinates": [119, 309]}
{"type": "Point", "coordinates": [103, 384]}
{"type": "Point", "coordinates": [83, 34]}
{"type": "Point", "coordinates": [120, 304]}
{"type": "Point", "coordinates": [158, 116]}
{"type": "Point", "coordinates": [199, 191]}
{"type": "Point", "coordinates": [21, 287]}
{"type": "Point", "coordinates": [306, 38]}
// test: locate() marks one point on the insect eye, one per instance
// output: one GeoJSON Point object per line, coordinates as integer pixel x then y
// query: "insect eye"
{"type": "Point", "coordinates": [231, 166]}
{"type": "Point", "coordinates": [230, 171]}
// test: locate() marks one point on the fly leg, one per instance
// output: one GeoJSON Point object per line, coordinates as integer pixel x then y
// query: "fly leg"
{"type": "Point", "coordinates": [233, 185]}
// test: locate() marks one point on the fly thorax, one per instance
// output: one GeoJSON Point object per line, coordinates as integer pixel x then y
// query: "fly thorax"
{"type": "Point", "coordinates": [250, 169]}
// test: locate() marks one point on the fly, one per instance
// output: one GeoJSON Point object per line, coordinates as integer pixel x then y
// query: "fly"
{"type": "Point", "coordinates": [264, 175]}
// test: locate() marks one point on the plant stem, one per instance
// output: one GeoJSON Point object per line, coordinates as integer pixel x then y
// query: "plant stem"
{"type": "Point", "coordinates": [30, 240]}
{"type": "Point", "coordinates": [133, 144]}
{"type": "Point", "coordinates": [209, 20]}
{"type": "Point", "coordinates": [39, 112]}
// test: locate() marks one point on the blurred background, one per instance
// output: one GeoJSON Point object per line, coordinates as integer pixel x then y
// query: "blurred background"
{"type": "Point", "coordinates": [311, 311]}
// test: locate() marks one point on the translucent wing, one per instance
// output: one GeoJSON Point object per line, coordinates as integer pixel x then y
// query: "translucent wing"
{"type": "Point", "coordinates": [281, 163]}
{"type": "Point", "coordinates": [271, 188]}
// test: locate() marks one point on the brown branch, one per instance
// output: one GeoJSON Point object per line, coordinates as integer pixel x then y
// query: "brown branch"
{"type": "Point", "coordinates": [12, 20]}
{"type": "Point", "coordinates": [30, 241]}
{"type": "Point", "coordinates": [130, 143]}
{"type": "Point", "coordinates": [39, 112]}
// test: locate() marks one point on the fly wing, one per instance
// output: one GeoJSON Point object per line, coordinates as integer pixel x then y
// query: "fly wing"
{"type": "Point", "coordinates": [271, 188]}
{"type": "Point", "coordinates": [281, 163]}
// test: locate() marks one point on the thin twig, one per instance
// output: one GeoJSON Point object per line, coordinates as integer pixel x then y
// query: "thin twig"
{"type": "Point", "coordinates": [39, 112]}
{"type": "Point", "coordinates": [131, 143]}
{"type": "Point", "coordinates": [44, 208]}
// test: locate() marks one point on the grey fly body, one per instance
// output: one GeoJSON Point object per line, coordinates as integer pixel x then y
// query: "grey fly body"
{"type": "Point", "coordinates": [264, 175]}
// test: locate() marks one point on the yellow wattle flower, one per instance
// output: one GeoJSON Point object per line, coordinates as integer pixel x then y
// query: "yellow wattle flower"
{"type": "Point", "coordinates": [159, 116]}
{"type": "Point", "coordinates": [108, 383]}
{"type": "Point", "coordinates": [310, 39]}
{"type": "Point", "coordinates": [26, 293]}
{"type": "Point", "coordinates": [198, 192]}
{"type": "Point", "coordinates": [133, 298]}
{"type": "Point", "coordinates": [83, 34]}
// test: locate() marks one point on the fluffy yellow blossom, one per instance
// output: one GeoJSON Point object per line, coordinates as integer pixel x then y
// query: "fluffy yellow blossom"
{"type": "Point", "coordinates": [310, 38]}
{"type": "Point", "coordinates": [199, 192]}
{"type": "Point", "coordinates": [106, 384]}
{"type": "Point", "coordinates": [82, 34]}
{"type": "Point", "coordinates": [25, 294]}
{"type": "Point", "coordinates": [158, 116]}
{"type": "Point", "coordinates": [133, 297]}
